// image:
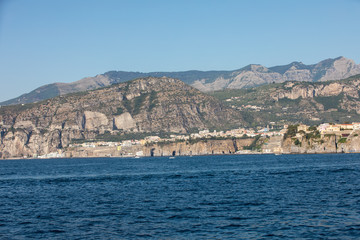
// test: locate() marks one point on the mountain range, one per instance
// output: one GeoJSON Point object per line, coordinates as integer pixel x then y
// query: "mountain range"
{"type": "Point", "coordinates": [206, 81]}
{"type": "Point", "coordinates": [163, 106]}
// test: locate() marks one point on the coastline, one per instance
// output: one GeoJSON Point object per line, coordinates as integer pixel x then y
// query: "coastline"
{"type": "Point", "coordinates": [294, 141]}
{"type": "Point", "coordinates": [168, 156]}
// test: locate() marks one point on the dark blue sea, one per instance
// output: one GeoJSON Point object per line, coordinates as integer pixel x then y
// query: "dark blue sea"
{"type": "Point", "coordinates": [208, 197]}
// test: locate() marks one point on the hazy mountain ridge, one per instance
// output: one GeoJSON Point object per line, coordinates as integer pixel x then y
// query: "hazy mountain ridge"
{"type": "Point", "coordinates": [249, 76]}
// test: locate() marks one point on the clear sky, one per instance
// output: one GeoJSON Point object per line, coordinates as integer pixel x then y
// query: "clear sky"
{"type": "Point", "coordinates": [47, 41]}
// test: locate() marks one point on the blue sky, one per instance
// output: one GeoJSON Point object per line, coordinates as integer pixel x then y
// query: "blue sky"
{"type": "Point", "coordinates": [44, 41]}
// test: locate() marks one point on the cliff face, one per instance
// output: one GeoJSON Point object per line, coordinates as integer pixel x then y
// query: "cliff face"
{"type": "Point", "coordinates": [324, 144]}
{"type": "Point", "coordinates": [249, 76]}
{"type": "Point", "coordinates": [207, 147]}
{"type": "Point", "coordinates": [199, 148]}
{"type": "Point", "coordinates": [311, 103]}
{"type": "Point", "coordinates": [275, 144]}
{"type": "Point", "coordinates": [294, 91]}
{"type": "Point", "coordinates": [149, 105]}
{"type": "Point", "coordinates": [347, 91]}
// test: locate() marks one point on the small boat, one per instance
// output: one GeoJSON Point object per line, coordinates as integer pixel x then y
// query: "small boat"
{"type": "Point", "coordinates": [171, 157]}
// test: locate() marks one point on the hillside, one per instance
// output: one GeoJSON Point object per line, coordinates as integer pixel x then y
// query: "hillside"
{"type": "Point", "coordinates": [136, 108]}
{"type": "Point", "coordinates": [206, 81]}
{"type": "Point", "coordinates": [297, 102]}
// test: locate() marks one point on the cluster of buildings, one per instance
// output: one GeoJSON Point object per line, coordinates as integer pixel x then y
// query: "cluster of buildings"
{"type": "Point", "coordinates": [135, 147]}
{"type": "Point", "coordinates": [203, 134]}
{"type": "Point", "coordinates": [329, 128]}
{"type": "Point", "coordinates": [325, 128]}
{"type": "Point", "coordinates": [126, 143]}
{"type": "Point", "coordinates": [242, 107]}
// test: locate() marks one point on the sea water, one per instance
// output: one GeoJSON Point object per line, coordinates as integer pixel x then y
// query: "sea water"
{"type": "Point", "coordinates": [207, 197]}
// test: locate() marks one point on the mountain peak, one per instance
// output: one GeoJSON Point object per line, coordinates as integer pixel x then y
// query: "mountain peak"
{"type": "Point", "coordinates": [335, 69]}
{"type": "Point", "coordinates": [330, 61]}
{"type": "Point", "coordinates": [284, 68]}
{"type": "Point", "coordinates": [341, 58]}
{"type": "Point", "coordinates": [254, 68]}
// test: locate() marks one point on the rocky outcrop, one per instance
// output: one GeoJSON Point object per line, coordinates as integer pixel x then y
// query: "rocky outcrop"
{"type": "Point", "coordinates": [94, 121]}
{"type": "Point", "coordinates": [327, 144]}
{"type": "Point", "coordinates": [124, 121]}
{"type": "Point", "coordinates": [330, 143]}
{"type": "Point", "coordinates": [352, 144]}
{"type": "Point", "coordinates": [297, 90]}
{"type": "Point", "coordinates": [338, 68]}
{"type": "Point", "coordinates": [249, 76]}
{"type": "Point", "coordinates": [311, 103]}
{"type": "Point", "coordinates": [23, 143]}
{"type": "Point", "coordinates": [344, 94]}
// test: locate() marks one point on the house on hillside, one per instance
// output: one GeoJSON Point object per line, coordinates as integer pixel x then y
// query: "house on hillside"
{"type": "Point", "coordinates": [346, 126]}
{"type": "Point", "coordinates": [302, 127]}
{"type": "Point", "coordinates": [356, 125]}
{"type": "Point", "coordinates": [333, 128]}
{"type": "Point", "coordinates": [323, 127]}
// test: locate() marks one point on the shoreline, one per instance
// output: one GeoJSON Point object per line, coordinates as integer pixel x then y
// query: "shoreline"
{"type": "Point", "coordinates": [168, 156]}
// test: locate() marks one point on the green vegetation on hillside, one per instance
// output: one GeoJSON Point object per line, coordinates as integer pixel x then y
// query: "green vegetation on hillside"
{"type": "Point", "coordinates": [342, 140]}
{"type": "Point", "coordinates": [291, 131]}
{"type": "Point", "coordinates": [138, 103]}
{"type": "Point", "coordinates": [255, 145]}
{"type": "Point", "coordinates": [119, 111]}
{"type": "Point", "coordinates": [330, 102]}
{"type": "Point", "coordinates": [262, 105]}
{"type": "Point", "coordinates": [146, 101]}
{"type": "Point", "coordinates": [152, 100]}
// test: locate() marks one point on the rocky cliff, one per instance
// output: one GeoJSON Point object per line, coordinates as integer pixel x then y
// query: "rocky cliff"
{"type": "Point", "coordinates": [249, 76]}
{"type": "Point", "coordinates": [329, 143]}
{"type": "Point", "coordinates": [150, 105]}
{"type": "Point", "coordinates": [184, 148]}
{"type": "Point", "coordinates": [300, 144]}
{"type": "Point", "coordinates": [207, 147]}
{"type": "Point", "coordinates": [305, 143]}
{"type": "Point", "coordinates": [294, 90]}
{"type": "Point", "coordinates": [298, 102]}
{"type": "Point", "coordinates": [347, 90]}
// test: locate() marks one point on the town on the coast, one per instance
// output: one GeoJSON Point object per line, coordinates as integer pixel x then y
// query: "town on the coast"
{"type": "Point", "coordinates": [300, 138]}
{"type": "Point", "coordinates": [184, 115]}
